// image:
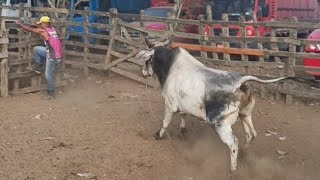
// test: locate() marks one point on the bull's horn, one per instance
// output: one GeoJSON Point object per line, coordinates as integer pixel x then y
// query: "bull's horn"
{"type": "Point", "coordinates": [166, 42]}
{"type": "Point", "coordinates": [149, 44]}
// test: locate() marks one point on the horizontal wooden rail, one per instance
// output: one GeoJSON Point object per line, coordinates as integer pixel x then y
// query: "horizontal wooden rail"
{"type": "Point", "coordinates": [252, 52]}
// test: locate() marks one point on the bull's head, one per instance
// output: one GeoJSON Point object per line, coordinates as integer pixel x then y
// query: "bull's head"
{"type": "Point", "coordinates": [146, 56]}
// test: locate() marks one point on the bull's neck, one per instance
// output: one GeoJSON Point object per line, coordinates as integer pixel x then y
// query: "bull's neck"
{"type": "Point", "coordinates": [162, 64]}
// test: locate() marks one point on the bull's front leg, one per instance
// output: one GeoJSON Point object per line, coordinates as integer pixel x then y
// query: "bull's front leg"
{"type": "Point", "coordinates": [183, 123]}
{"type": "Point", "coordinates": [165, 123]}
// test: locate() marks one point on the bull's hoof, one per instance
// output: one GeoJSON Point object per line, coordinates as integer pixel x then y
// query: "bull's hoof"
{"type": "Point", "coordinates": [157, 136]}
{"type": "Point", "coordinates": [242, 153]}
{"type": "Point", "coordinates": [183, 131]}
{"type": "Point", "coordinates": [233, 175]}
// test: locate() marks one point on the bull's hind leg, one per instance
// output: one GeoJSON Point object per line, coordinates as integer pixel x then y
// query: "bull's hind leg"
{"type": "Point", "coordinates": [245, 114]}
{"type": "Point", "coordinates": [225, 133]}
{"type": "Point", "coordinates": [165, 123]}
{"type": "Point", "coordinates": [251, 133]}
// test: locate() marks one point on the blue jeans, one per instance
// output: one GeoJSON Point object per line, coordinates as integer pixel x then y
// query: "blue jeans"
{"type": "Point", "coordinates": [52, 65]}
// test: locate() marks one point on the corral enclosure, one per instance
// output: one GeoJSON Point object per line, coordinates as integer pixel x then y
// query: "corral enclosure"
{"type": "Point", "coordinates": [102, 127]}
{"type": "Point", "coordinates": [111, 45]}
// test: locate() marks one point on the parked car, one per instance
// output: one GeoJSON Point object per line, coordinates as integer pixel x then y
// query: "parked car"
{"type": "Point", "coordinates": [313, 48]}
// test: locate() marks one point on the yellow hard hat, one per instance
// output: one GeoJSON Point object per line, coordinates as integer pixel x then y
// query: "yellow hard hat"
{"type": "Point", "coordinates": [44, 19]}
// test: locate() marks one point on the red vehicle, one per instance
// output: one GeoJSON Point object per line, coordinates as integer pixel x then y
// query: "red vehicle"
{"type": "Point", "coordinates": [313, 48]}
{"type": "Point", "coordinates": [265, 10]}
{"type": "Point", "coordinates": [164, 8]}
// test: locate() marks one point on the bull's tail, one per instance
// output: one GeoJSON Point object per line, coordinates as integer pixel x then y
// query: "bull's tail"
{"type": "Point", "coordinates": [252, 78]}
{"type": "Point", "coordinates": [310, 82]}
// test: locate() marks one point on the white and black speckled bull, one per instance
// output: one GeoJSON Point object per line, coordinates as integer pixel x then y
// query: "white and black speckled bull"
{"type": "Point", "coordinates": [189, 87]}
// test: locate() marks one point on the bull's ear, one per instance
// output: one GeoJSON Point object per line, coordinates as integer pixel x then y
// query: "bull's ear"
{"type": "Point", "coordinates": [144, 55]}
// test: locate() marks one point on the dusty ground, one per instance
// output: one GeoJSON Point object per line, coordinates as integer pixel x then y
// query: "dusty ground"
{"type": "Point", "coordinates": [105, 127]}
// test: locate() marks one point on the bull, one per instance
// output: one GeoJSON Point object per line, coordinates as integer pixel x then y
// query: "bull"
{"type": "Point", "coordinates": [189, 87]}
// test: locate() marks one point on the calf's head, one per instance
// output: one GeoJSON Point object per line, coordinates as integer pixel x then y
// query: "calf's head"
{"type": "Point", "coordinates": [146, 56]}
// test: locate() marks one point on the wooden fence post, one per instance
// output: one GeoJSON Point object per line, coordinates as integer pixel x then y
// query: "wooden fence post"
{"type": "Point", "coordinates": [212, 43]}
{"type": "Point", "coordinates": [225, 33]}
{"type": "Point", "coordinates": [261, 59]}
{"type": "Point", "coordinates": [243, 44]}
{"type": "Point", "coordinates": [4, 61]}
{"type": "Point", "coordinates": [274, 47]}
{"type": "Point", "coordinates": [86, 41]}
{"type": "Point", "coordinates": [16, 82]}
{"type": "Point", "coordinates": [142, 13]}
{"type": "Point", "coordinates": [292, 60]}
{"type": "Point", "coordinates": [4, 76]}
{"type": "Point", "coordinates": [203, 41]}
{"type": "Point", "coordinates": [114, 22]}
{"type": "Point", "coordinates": [142, 35]}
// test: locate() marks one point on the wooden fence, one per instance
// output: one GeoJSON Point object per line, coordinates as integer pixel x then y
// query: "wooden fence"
{"type": "Point", "coordinates": [112, 44]}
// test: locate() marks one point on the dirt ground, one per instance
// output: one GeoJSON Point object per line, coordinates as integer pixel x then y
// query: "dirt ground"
{"type": "Point", "coordinates": [105, 126]}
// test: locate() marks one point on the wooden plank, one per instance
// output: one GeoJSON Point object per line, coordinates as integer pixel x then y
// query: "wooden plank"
{"type": "Point", "coordinates": [203, 41]}
{"type": "Point", "coordinates": [81, 54]}
{"type": "Point", "coordinates": [88, 45]}
{"type": "Point", "coordinates": [209, 17]}
{"type": "Point", "coordinates": [292, 48]}
{"type": "Point", "coordinates": [125, 15]}
{"type": "Point", "coordinates": [96, 25]}
{"type": "Point", "coordinates": [161, 34]}
{"type": "Point", "coordinates": [81, 64]}
{"type": "Point", "coordinates": [132, 60]}
{"type": "Point", "coordinates": [36, 88]}
{"type": "Point", "coordinates": [240, 39]}
{"type": "Point", "coordinates": [4, 78]}
{"type": "Point", "coordinates": [16, 82]}
{"type": "Point", "coordinates": [275, 24]}
{"type": "Point", "coordinates": [249, 64]}
{"type": "Point", "coordinates": [133, 43]}
{"type": "Point", "coordinates": [14, 62]}
{"type": "Point", "coordinates": [18, 75]}
{"type": "Point", "coordinates": [95, 13]}
{"type": "Point", "coordinates": [294, 54]}
{"type": "Point", "coordinates": [90, 35]}
{"type": "Point", "coordinates": [194, 47]}
{"type": "Point", "coordinates": [4, 40]}
{"type": "Point", "coordinates": [243, 44]}
{"type": "Point", "coordinates": [300, 94]}
{"type": "Point", "coordinates": [306, 68]}
{"type": "Point", "coordinates": [225, 33]}
{"type": "Point", "coordinates": [47, 10]}
{"type": "Point", "coordinates": [117, 54]}
{"type": "Point", "coordinates": [113, 63]}
{"type": "Point", "coordinates": [115, 23]}
{"type": "Point", "coordinates": [3, 55]}
{"type": "Point", "coordinates": [86, 41]}
{"type": "Point", "coordinates": [38, 9]}
{"type": "Point", "coordinates": [132, 76]}
{"type": "Point", "coordinates": [24, 44]}
{"type": "Point", "coordinates": [125, 33]}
